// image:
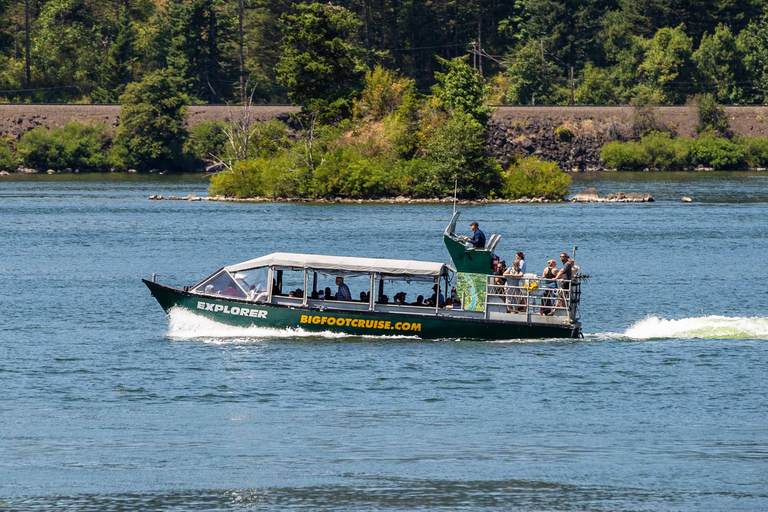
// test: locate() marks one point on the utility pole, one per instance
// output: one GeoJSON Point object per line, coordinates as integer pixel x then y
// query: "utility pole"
{"type": "Point", "coordinates": [26, 22]}
{"type": "Point", "coordinates": [543, 62]}
{"type": "Point", "coordinates": [571, 85]}
{"type": "Point", "coordinates": [480, 36]}
{"type": "Point", "coordinates": [240, 44]}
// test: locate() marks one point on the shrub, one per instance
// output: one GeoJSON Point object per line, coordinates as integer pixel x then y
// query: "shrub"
{"type": "Point", "coordinates": [152, 117]}
{"type": "Point", "coordinates": [624, 156]}
{"type": "Point", "coordinates": [418, 177]}
{"type": "Point", "coordinates": [347, 173]}
{"type": "Point", "coordinates": [712, 116]}
{"type": "Point", "coordinates": [755, 151]}
{"type": "Point", "coordinates": [77, 145]}
{"type": "Point", "coordinates": [259, 177]}
{"type": "Point", "coordinates": [717, 152]}
{"type": "Point", "coordinates": [8, 161]}
{"type": "Point", "coordinates": [532, 177]}
{"type": "Point", "coordinates": [383, 94]}
{"type": "Point", "coordinates": [206, 140]}
{"type": "Point", "coordinates": [666, 152]}
{"type": "Point", "coordinates": [564, 133]}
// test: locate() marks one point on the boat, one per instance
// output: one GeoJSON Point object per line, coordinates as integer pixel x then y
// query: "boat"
{"type": "Point", "coordinates": [256, 293]}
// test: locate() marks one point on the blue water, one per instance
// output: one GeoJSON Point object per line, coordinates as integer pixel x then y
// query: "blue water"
{"type": "Point", "coordinates": [663, 406]}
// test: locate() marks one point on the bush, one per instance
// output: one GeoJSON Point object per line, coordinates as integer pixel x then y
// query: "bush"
{"type": "Point", "coordinates": [717, 152]}
{"type": "Point", "coordinates": [259, 177]}
{"type": "Point", "coordinates": [624, 156]}
{"type": "Point", "coordinates": [564, 133]}
{"type": "Point", "coordinates": [666, 152]}
{"type": "Point", "coordinates": [347, 173]}
{"type": "Point", "coordinates": [533, 178]}
{"type": "Point", "coordinates": [206, 140]}
{"type": "Point", "coordinates": [78, 145]}
{"type": "Point", "coordinates": [755, 151]}
{"type": "Point", "coordinates": [152, 118]}
{"type": "Point", "coordinates": [383, 94]}
{"type": "Point", "coordinates": [8, 161]}
{"type": "Point", "coordinates": [712, 116]}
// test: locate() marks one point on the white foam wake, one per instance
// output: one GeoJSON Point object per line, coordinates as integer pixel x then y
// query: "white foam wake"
{"type": "Point", "coordinates": [712, 327]}
{"type": "Point", "coordinates": [184, 324]}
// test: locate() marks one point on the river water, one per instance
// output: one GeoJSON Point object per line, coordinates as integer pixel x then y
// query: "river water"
{"type": "Point", "coordinates": [107, 404]}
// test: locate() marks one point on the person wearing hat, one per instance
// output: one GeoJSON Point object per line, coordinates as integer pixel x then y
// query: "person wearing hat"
{"type": "Point", "coordinates": [478, 237]}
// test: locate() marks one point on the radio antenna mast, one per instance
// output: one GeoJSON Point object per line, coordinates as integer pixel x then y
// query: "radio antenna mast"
{"type": "Point", "coordinates": [455, 188]}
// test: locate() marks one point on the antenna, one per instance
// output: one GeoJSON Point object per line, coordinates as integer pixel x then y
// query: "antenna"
{"type": "Point", "coordinates": [455, 188]}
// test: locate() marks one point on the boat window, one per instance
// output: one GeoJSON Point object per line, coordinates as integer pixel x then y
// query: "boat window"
{"type": "Point", "coordinates": [221, 284]}
{"type": "Point", "coordinates": [255, 282]}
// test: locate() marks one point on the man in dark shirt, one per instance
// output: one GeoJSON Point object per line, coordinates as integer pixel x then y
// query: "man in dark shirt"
{"type": "Point", "coordinates": [478, 239]}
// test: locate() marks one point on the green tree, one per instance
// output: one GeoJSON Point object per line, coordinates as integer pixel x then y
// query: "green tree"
{"type": "Point", "coordinates": [116, 71]}
{"type": "Point", "coordinates": [461, 88]}
{"type": "Point", "coordinates": [457, 152]}
{"type": "Point", "coordinates": [152, 124]}
{"type": "Point", "coordinates": [597, 86]}
{"type": "Point", "coordinates": [528, 82]}
{"type": "Point", "coordinates": [753, 45]}
{"type": "Point", "coordinates": [720, 65]}
{"type": "Point", "coordinates": [323, 61]}
{"type": "Point", "coordinates": [666, 64]}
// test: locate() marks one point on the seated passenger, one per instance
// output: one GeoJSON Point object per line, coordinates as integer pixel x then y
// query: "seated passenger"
{"type": "Point", "coordinates": [363, 297]}
{"type": "Point", "coordinates": [400, 298]}
{"type": "Point", "coordinates": [209, 289]}
{"type": "Point", "coordinates": [343, 293]}
{"type": "Point", "coordinates": [231, 291]}
{"type": "Point", "coordinates": [383, 300]}
{"type": "Point", "coordinates": [321, 295]}
{"type": "Point", "coordinates": [419, 301]}
{"type": "Point", "coordinates": [440, 298]}
{"type": "Point", "coordinates": [328, 294]}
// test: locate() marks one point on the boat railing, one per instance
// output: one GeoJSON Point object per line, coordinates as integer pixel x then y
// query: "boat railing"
{"type": "Point", "coordinates": [529, 297]}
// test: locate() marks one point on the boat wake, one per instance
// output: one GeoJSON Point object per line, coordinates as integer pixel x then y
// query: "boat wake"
{"type": "Point", "coordinates": [703, 327]}
{"type": "Point", "coordinates": [186, 325]}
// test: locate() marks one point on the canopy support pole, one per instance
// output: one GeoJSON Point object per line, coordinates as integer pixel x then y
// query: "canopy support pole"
{"type": "Point", "coordinates": [270, 277]}
{"type": "Point", "coordinates": [306, 282]}
{"type": "Point", "coordinates": [372, 293]}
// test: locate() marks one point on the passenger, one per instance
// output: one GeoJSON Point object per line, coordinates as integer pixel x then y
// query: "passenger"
{"type": "Point", "coordinates": [321, 295]}
{"type": "Point", "coordinates": [384, 300]}
{"type": "Point", "coordinates": [478, 238]}
{"type": "Point", "coordinates": [440, 298]}
{"type": "Point", "coordinates": [298, 292]}
{"type": "Point", "coordinates": [343, 293]}
{"type": "Point", "coordinates": [290, 294]}
{"type": "Point", "coordinates": [363, 297]}
{"type": "Point", "coordinates": [515, 299]}
{"type": "Point", "coordinates": [419, 301]}
{"type": "Point", "coordinates": [548, 276]}
{"type": "Point", "coordinates": [400, 298]}
{"type": "Point", "coordinates": [328, 294]}
{"type": "Point", "coordinates": [564, 276]}
{"type": "Point", "coordinates": [209, 289]}
{"type": "Point", "coordinates": [501, 267]}
{"type": "Point", "coordinates": [231, 291]}
{"type": "Point", "coordinates": [520, 258]}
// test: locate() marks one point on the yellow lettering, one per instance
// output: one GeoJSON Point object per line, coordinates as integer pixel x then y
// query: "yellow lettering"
{"type": "Point", "coordinates": [315, 319]}
{"type": "Point", "coordinates": [303, 319]}
{"type": "Point", "coordinates": [370, 323]}
{"type": "Point", "coordinates": [331, 320]}
{"type": "Point", "coordinates": [324, 319]}
{"type": "Point", "coordinates": [416, 327]}
{"type": "Point", "coordinates": [406, 326]}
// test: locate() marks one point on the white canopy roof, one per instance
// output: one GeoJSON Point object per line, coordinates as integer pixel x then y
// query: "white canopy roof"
{"type": "Point", "coordinates": [345, 264]}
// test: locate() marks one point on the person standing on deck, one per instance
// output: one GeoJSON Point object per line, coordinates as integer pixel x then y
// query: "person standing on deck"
{"type": "Point", "coordinates": [478, 238]}
{"type": "Point", "coordinates": [343, 293]}
{"type": "Point", "coordinates": [520, 258]}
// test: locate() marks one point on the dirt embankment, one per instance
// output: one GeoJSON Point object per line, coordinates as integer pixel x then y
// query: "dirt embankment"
{"type": "Point", "coordinates": [512, 130]}
{"type": "Point", "coordinates": [15, 119]}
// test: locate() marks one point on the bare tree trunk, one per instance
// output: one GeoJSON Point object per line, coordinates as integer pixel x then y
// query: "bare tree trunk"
{"type": "Point", "coordinates": [240, 49]}
{"type": "Point", "coordinates": [367, 13]}
{"type": "Point", "coordinates": [27, 60]}
{"type": "Point", "coordinates": [480, 36]}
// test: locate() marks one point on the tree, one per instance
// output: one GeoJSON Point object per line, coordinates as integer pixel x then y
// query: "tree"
{"type": "Point", "coordinates": [753, 45]}
{"type": "Point", "coordinates": [530, 79]}
{"type": "Point", "coordinates": [322, 62]}
{"type": "Point", "coordinates": [152, 123]}
{"type": "Point", "coordinates": [597, 86]}
{"type": "Point", "coordinates": [461, 88]}
{"type": "Point", "coordinates": [667, 63]}
{"type": "Point", "coordinates": [720, 65]}
{"type": "Point", "coordinates": [116, 71]}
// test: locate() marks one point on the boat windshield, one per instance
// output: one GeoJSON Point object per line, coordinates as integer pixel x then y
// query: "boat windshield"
{"type": "Point", "coordinates": [221, 284]}
{"type": "Point", "coordinates": [254, 281]}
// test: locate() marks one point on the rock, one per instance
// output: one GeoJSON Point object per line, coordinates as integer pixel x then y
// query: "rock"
{"type": "Point", "coordinates": [588, 195]}
{"type": "Point", "coordinates": [27, 170]}
{"type": "Point", "coordinates": [217, 167]}
{"type": "Point", "coordinates": [401, 199]}
{"type": "Point", "coordinates": [191, 197]}
{"type": "Point", "coordinates": [624, 197]}
{"type": "Point", "coordinates": [4, 173]}
{"type": "Point", "coordinates": [195, 199]}
{"type": "Point", "coordinates": [154, 171]}
{"type": "Point", "coordinates": [67, 170]}
{"type": "Point", "coordinates": [527, 145]}
{"type": "Point", "coordinates": [51, 171]}
{"type": "Point", "coordinates": [132, 171]}
{"type": "Point", "coordinates": [687, 200]}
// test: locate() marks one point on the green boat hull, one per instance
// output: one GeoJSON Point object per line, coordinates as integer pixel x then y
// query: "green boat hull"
{"type": "Point", "coordinates": [242, 313]}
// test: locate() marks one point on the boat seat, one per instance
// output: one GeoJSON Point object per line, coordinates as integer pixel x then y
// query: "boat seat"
{"type": "Point", "coordinates": [493, 242]}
